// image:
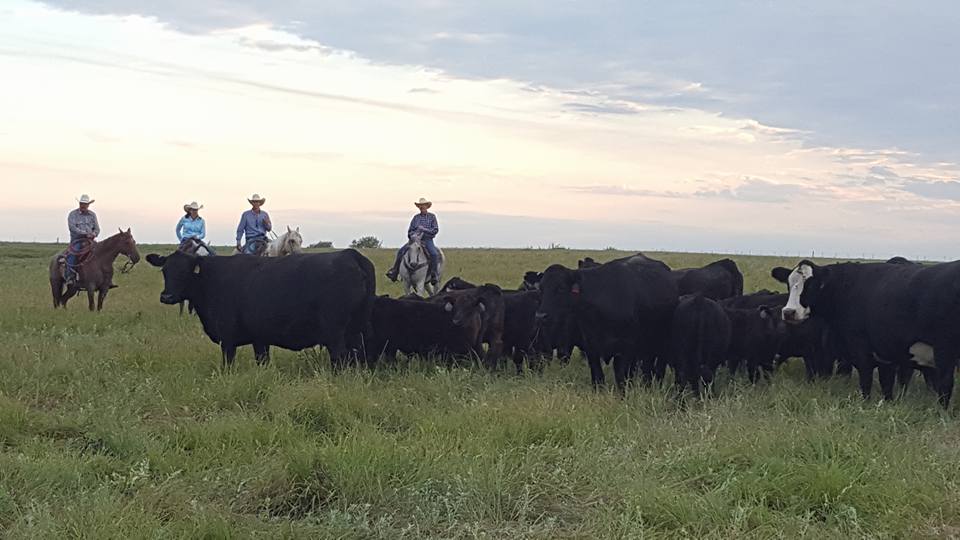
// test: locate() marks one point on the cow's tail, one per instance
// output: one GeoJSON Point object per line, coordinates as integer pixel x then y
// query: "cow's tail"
{"type": "Point", "coordinates": [731, 267]}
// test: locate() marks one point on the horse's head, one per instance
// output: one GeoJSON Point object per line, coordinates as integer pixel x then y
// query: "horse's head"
{"type": "Point", "coordinates": [128, 246]}
{"type": "Point", "coordinates": [293, 241]}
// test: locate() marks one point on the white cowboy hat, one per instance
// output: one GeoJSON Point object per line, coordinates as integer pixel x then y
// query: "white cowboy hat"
{"type": "Point", "coordinates": [423, 202]}
{"type": "Point", "coordinates": [256, 198]}
{"type": "Point", "coordinates": [192, 206]}
{"type": "Point", "coordinates": [85, 199]}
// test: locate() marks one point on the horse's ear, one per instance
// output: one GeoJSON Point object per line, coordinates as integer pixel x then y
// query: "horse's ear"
{"type": "Point", "coordinates": [119, 230]}
{"type": "Point", "coordinates": [128, 230]}
{"type": "Point", "coordinates": [298, 228]}
{"type": "Point", "coordinates": [288, 229]}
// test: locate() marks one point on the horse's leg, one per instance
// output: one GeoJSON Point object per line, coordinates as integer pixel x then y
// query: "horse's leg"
{"type": "Point", "coordinates": [69, 293]}
{"type": "Point", "coordinates": [101, 294]}
{"type": "Point", "coordinates": [90, 291]}
{"type": "Point", "coordinates": [56, 288]}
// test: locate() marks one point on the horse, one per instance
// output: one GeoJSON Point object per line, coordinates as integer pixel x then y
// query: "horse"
{"type": "Point", "coordinates": [414, 267]}
{"type": "Point", "coordinates": [288, 243]}
{"type": "Point", "coordinates": [95, 272]}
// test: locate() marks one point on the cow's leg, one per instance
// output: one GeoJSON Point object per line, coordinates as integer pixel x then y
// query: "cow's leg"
{"type": "Point", "coordinates": [888, 376]}
{"type": "Point", "coordinates": [865, 364]}
{"type": "Point", "coordinates": [945, 359]}
{"type": "Point", "coordinates": [261, 353]}
{"type": "Point", "coordinates": [101, 294]}
{"type": "Point", "coordinates": [620, 369]}
{"type": "Point", "coordinates": [518, 359]}
{"type": "Point", "coordinates": [733, 364]}
{"type": "Point", "coordinates": [904, 376]}
{"type": "Point", "coordinates": [596, 370]}
{"type": "Point", "coordinates": [229, 352]}
{"type": "Point", "coordinates": [339, 355]}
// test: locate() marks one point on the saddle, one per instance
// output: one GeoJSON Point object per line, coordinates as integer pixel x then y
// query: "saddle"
{"type": "Point", "coordinates": [82, 255]}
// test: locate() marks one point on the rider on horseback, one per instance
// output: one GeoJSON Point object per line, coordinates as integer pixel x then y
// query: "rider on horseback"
{"type": "Point", "coordinates": [254, 224]}
{"type": "Point", "coordinates": [84, 227]}
{"type": "Point", "coordinates": [191, 229]}
{"type": "Point", "coordinates": [425, 224]}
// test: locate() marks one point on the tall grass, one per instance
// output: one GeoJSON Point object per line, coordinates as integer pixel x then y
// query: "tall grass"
{"type": "Point", "coordinates": [122, 425]}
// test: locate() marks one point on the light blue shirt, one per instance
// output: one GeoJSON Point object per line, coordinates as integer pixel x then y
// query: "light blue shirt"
{"type": "Point", "coordinates": [188, 227]}
{"type": "Point", "coordinates": [253, 225]}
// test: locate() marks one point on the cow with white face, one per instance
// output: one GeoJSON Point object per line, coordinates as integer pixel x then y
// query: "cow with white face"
{"type": "Point", "coordinates": [890, 316]}
{"type": "Point", "coordinates": [798, 305]}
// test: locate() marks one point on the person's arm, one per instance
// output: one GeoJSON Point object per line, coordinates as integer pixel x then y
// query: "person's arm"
{"type": "Point", "coordinates": [266, 222]}
{"type": "Point", "coordinates": [203, 228]}
{"type": "Point", "coordinates": [179, 229]}
{"type": "Point", "coordinates": [96, 225]}
{"type": "Point", "coordinates": [73, 223]}
{"type": "Point", "coordinates": [243, 219]}
{"type": "Point", "coordinates": [413, 227]}
{"type": "Point", "coordinates": [433, 227]}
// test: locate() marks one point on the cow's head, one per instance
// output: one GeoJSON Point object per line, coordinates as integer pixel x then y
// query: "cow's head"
{"type": "Point", "coordinates": [587, 262]}
{"type": "Point", "coordinates": [805, 283]}
{"type": "Point", "coordinates": [178, 274]}
{"type": "Point", "coordinates": [531, 281]}
{"type": "Point", "coordinates": [559, 291]}
{"type": "Point", "coordinates": [457, 284]}
{"type": "Point", "coordinates": [464, 306]}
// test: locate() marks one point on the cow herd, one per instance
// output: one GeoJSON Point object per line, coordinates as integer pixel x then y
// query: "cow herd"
{"type": "Point", "coordinates": [635, 312]}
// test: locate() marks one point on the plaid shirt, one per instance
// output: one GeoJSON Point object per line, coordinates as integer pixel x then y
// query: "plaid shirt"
{"type": "Point", "coordinates": [425, 223]}
{"type": "Point", "coordinates": [82, 223]}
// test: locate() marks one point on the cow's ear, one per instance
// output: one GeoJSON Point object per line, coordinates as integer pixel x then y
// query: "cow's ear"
{"type": "Point", "coordinates": [482, 306]}
{"type": "Point", "coordinates": [781, 274]}
{"type": "Point", "coordinates": [156, 260]}
{"type": "Point", "coordinates": [448, 307]}
{"type": "Point", "coordinates": [764, 314]}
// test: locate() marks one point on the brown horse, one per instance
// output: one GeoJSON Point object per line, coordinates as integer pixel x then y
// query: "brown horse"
{"type": "Point", "coordinates": [96, 271]}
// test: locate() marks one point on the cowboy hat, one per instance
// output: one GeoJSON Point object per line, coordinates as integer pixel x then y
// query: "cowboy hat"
{"type": "Point", "coordinates": [192, 206]}
{"type": "Point", "coordinates": [256, 198]}
{"type": "Point", "coordinates": [85, 199]}
{"type": "Point", "coordinates": [423, 202]}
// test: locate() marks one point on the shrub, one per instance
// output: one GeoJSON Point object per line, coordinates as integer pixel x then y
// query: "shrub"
{"type": "Point", "coordinates": [366, 242]}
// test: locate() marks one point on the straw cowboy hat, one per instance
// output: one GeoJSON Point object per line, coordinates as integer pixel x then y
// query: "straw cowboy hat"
{"type": "Point", "coordinates": [423, 202]}
{"type": "Point", "coordinates": [192, 206]}
{"type": "Point", "coordinates": [256, 198]}
{"type": "Point", "coordinates": [85, 199]}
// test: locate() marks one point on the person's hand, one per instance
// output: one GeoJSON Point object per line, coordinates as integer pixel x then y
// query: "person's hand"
{"type": "Point", "coordinates": [91, 236]}
{"type": "Point", "coordinates": [239, 247]}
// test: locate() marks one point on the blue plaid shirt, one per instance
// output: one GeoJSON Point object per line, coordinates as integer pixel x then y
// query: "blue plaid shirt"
{"type": "Point", "coordinates": [425, 223]}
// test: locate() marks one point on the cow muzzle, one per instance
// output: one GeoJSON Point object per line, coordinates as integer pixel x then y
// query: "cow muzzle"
{"type": "Point", "coordinates": [792, 316]}
{"type": "Point", "coordinates": [167, 298]}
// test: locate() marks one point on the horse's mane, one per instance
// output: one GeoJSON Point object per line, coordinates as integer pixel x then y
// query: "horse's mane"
{"type": "Point", "coordinates": [110, 242]}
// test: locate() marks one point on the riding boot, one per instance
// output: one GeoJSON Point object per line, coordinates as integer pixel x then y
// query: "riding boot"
{"type": "Point", "coordinates": [432, 277]}
{"type": "Point", "coordinates": [394, 272]}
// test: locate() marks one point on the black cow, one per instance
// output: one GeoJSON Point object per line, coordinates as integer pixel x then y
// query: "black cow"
{"type": "Point", "coordinates": [520, 332]}
{"type": "Point", "coordinates": [622, 309]}
{"type": "Point", "coordinates": [699, 341]}
{"type": "Point", "coordinates": [756, 335]}
{"type": "Point", "coordinates": [811, 340]}
{"type": "Point", "coordinates": [415, 326]}
{"type": "Point", "coordinates": [293, 302]}
{"type": "Point", "coordinates": [717, 280]}
{"type": "Point", "coordinates": [886, 315]}
{"type": "Point", "coordinates": [487, 302]}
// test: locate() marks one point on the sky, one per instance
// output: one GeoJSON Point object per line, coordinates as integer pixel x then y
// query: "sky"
{"type": "Point", "coordinates": [745, 126]}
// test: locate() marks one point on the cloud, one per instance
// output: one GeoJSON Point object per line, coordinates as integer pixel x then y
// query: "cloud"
{"type": "Point", "coordinates": [761, 191]}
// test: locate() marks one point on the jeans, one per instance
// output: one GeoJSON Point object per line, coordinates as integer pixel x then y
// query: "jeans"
{"type": "Point", "coordinates": [253, 245]}
{"type": "Point", "coordinates": [76, 246]}
{"type": "Point", "coordinates": [186, 245]}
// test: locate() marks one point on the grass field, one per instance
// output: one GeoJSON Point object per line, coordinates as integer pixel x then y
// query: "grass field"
{"type": "Point", "coordinates": [122, 425]}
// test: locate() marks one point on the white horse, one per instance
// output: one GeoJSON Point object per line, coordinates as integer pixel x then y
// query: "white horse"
{"type": "Point", "coordinates": [414, 268]}
{"type": "Point", "coordinates": [288, 243]}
